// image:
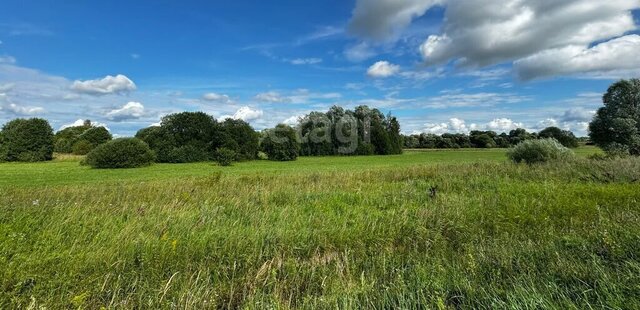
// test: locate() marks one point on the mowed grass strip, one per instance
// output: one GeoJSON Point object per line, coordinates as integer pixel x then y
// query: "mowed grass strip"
{"type": "Point", "coordinates": [494, 234]}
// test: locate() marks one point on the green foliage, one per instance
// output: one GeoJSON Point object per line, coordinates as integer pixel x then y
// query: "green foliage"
{"type": "Point", "coordinates": [82, 147]}
{"type": "Point", "coordinates": [280, 143]}
{"type": "Point", "coordinates": [346, 132]}
{"type": "Point", "coordinates": [241, 138]}
{"type": "Point", "coordinates": [96, 135]}
{"type": "Point", "coordinates": [483, 139]}
{"type": "Point", "coordinates": [88, 140]}
{"type": "Point", "coordinates": [225, 156]}
{"type": "Point", "coordinates": [194, 136]}
{"type": "Point", "coordinates": [66, 138]}
{"type": "Point", "coordinates": [565, 137]}
{"type": "Point", "coordinates": [616, 126]}
{"type": "Point", "coordinates": [27, 140]}
{"type": "Point", "coordinates": [539, 151]}
{"type": "Point", "coordinates": [475, 139]}
{"type": "Point", "coordinates": [121, 153]}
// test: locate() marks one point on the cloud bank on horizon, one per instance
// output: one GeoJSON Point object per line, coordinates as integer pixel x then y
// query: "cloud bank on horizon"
{"type": "Point", "coordinates": [439, 65]}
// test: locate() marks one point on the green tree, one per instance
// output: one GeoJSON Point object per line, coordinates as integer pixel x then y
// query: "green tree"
{"type": "Point", "coordinates": [27, 140]}
{"type": "Point", "coordinates": [96, 135]}
{"type": "Point", "coordinates": [616, 126]}
{"type": "Point", "coordinates": [280, 143]}
{"type": "Point", "coordinates": [565, 137]}
{"type": "Point", "coordinates": [66, 138]}
{"type": "Point", "coordinates": [241, 138]}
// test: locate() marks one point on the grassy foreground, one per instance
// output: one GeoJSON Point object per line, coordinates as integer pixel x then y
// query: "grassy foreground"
{"type": "Point", "coordinates": [344, 232]}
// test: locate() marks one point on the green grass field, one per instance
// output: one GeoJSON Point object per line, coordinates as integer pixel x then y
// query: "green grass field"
{"type": "Point", "coordinates": [320, 233]}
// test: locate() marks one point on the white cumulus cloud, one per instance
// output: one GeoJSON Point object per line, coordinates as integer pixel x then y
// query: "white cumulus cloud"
{"type": "Point", "coordinates": [493, 31]}
{"type": "Point", "coordinates": [503, 125]}
{"type": "Point", "coordinates": [246, 114]}
{"type": "Point", "coordinates": [611, 58]}
{"type": "Point", "coordinates": [383, 69]}
{"type": "Point", "coordinates": [108, 85]}
{"type": "Point", "coordinates": [131, 110]}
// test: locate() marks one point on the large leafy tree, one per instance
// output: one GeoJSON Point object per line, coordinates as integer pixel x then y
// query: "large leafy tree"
{"type": "Point", "coordinates": [281, 143]}
{"type": "Point", "coordinates": [240, 137]}
{"type": "Point", "coordinates": [27, 140]}
{"type": "Point", "coordinates": [616, 126]}
{"type": "Point", "coordinates": [565, 137]}
{"type": "Point", "coordinates": [66, 138]}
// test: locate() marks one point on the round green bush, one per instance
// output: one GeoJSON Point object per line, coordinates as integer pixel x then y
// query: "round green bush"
{"type": "Point", "coordinates": [539, 151]}
{"type": "Point", "coordinates": [121, 153]}
{"type": "Point", "coordinates": [225, 156]}
{"type": "Point", "coordinates": [26, 140]}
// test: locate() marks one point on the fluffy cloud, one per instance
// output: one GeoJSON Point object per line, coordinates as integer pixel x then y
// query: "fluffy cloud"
{"type": "Point", "coordinates": [305, 61]}
{"type": "Point", "coordinates": [272, 97]}
{"type": "Point", "coordinates": [131, 110]}
{"type": "Point", "coordinates": [214, 97]}
{"type": "Point", "coordinates": [383, 69]}
{"type": "Point", "coordinates": [80, 122]}
{"type": "Point", "coordinates": [454, 125]}
{"type": "Point", "coordinates": [246, 114]}
{"type": "Point", "coordinates": [544, 38]}
{"type": "Point", "coordinates": [494, 31]}
{"type": "Point", "coordinates": [604, 59]}
{"type": "Point", "coordinates": [382, 19]}
{"type": "Point", "coordinates": [503, 125]}
{"type": "Point", "coordinates": [108, 85]}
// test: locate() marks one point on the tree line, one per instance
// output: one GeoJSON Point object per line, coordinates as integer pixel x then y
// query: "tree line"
{"type": "Point", "coordinates": [196, 136]}
{"type": "Point", "coordinates": [487, 139]}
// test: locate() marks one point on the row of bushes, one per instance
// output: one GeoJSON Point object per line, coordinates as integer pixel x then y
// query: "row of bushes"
{"type": "Point", "coordinates": [487, 139]}
{"type": "Point", "coordinates": [195, 136]}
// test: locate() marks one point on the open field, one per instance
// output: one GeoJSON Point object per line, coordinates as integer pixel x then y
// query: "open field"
{"type": "Point", "coordinates": [65, 169]}
{"type": "Point", "coordinates": [332, 232]}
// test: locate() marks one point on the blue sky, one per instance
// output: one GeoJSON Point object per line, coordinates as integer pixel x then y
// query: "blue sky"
{"type": "Point", "coordinates": [439, 65]}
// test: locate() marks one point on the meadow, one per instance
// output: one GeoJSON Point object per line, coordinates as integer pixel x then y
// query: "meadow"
{"type": "Point", "coordinates": [426, 229]}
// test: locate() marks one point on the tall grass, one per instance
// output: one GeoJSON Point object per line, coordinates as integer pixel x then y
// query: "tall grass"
{"type": "Point", "coordinates": [561, 235]}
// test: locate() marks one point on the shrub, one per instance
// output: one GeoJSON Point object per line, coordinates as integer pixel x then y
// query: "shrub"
{"type": "Point", "coordinates": [121, 153]}
{"type": "Point", "coordinates": [82, 147]}
{"type": "Point", "coordinates": [27, 140]}
{"type": "Point", "coordinates": [539, 151]}
{"type": "Point", "coordinates": [280, 143]}
{"type": "Point", "coordinates": [224, 156]}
